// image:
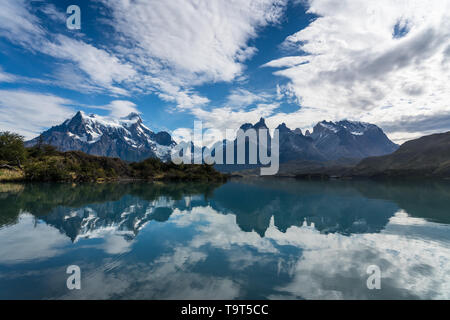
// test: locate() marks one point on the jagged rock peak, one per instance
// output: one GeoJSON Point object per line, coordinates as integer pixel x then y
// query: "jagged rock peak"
{"type": "Point", "coordinates": [298, 131]}
{"type": "Point", "coordinates": [283, 128]}
{"type": "Point", "coordinates": [262, 121]}
{"type": "Point", "coordinates": [261, 124]}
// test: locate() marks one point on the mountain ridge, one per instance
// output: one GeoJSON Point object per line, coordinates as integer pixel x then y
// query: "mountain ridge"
{"type": "Point", "coordinates": [129, 139]}
{"type": "Point", "coordinates": [126, 138]}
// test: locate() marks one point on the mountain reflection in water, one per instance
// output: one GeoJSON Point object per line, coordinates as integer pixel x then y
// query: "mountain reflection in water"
{"type": "Point", "coordinates": [251, 239]}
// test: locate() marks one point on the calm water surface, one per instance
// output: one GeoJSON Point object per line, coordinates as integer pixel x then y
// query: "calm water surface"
{"type": "Point", "coordinates": [246, 239]}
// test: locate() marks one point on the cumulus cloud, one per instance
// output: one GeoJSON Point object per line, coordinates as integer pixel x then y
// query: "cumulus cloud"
{"type": "Point", "coordinates": [376, 63]}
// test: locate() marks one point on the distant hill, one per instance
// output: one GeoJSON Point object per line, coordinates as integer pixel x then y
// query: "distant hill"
{"type": "Point", "coordinates": [428, 156]}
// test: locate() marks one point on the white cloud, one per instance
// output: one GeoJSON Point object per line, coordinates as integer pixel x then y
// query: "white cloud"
{"type": "Point", "coordinates": [226, 118]}
{"type": "Point", "coordinates": [103, 68]}
{"type": "Point", "coordinates": [119, 108]}
{"type": "Point", "coordinates": [201, 39]}
{"type": "Point", "coordinates": [28, 113]}
{"type": "Point", "coordinates": [219, 120]}
{"type": "Point", "coordinates": [240, 98]}
{"type": "Point", "coordinates": [189, 43]}
{"type": "Point", "coordinates": [53, 13]}
{"type": "Point", "coordinates": [6, 77]}
{"type": "Point", "coordinates": [286, 62]}
{"type": "Point", "coordinates": [17, 23]}
{"type": "Point", "coordinates": [98, 67]}
{"type": "Point", "coordinates": [350, 63]}
{"type": "Point", "coordinates": [184, 99]}
{"type": "Point", "coordinates": [358, 69]}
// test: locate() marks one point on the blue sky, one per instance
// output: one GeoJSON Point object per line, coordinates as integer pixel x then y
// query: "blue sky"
{"type": "Point", "coordinates": [227, 62]}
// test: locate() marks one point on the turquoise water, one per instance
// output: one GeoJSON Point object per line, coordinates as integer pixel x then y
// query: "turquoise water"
{"type": "Point", "coordinates": [246, 239]}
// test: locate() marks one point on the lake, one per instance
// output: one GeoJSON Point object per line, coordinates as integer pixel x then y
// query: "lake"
{"type": "Point", "coordinates": [246, 239]}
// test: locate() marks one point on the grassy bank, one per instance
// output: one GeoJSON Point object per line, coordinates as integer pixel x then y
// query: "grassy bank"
{"type": "Point", "coordinates": [7, 175]}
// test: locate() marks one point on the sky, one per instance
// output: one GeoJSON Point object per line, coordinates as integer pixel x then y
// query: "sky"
{"type": "Point", "coordinates": [227, 62]}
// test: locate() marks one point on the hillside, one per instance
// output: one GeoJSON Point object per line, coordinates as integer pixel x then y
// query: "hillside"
{"type": "Point", "coordinates": [428, 156]}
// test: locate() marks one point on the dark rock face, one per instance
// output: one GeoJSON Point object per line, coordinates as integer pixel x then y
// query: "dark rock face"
{"type": "Point", "coordinates": [347, 139]}
{"type": "Point", "coordinates": [126, 138]}
{"type": "Point", "coordinates": [295, 146]}
{"type": "Point", "coordinates": [163, 138]}
{"type": "Point", "coordinates": [333, 141]}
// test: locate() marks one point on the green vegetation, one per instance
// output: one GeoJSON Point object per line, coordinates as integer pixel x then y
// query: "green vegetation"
{"type": "Point", "coordinates": [73, 166]}
{"type": "Point", "coordinates": [12, 150]}
{"type": "Point", "coordinates": [11, 175]}
{"type": "Point", "coordinates": [44, 163]}
{"type": "Point", "coordinates": [155, 169]}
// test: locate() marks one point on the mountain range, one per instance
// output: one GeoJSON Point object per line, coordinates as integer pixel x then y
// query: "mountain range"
{"type": "Point", "coordinates": [129, 139]}
{"type": "Point", "coordinates": [126, 138]}
{"type": "Point", "coordinates": [341, 141]}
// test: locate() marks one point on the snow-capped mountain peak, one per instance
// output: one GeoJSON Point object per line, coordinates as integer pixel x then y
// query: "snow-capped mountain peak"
{"type": "Point", "coordinates": [127, 137]}
{"type": "Point", "coordinates": [351, 139]}
{"type": "Point", "coordinates": [353, 127]}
